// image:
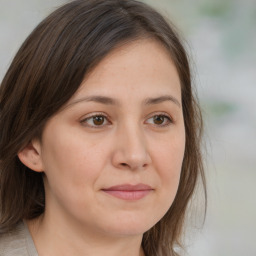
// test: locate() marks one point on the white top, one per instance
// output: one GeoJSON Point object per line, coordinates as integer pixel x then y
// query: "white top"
{"type": "Point", "coordinates": [17, 242]}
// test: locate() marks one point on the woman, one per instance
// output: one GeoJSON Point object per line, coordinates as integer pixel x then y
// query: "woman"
{"type": "Point", "coordinates": [100, 135]}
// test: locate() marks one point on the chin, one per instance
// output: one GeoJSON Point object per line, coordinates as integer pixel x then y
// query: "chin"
{"type": "Point", "coordinates": [128, 225]}
{"type": "Point", "coordinates": [127, 231]}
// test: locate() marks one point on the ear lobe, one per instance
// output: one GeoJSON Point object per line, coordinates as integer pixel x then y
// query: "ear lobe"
{"type": "Point", "coordinates": [30, 156]}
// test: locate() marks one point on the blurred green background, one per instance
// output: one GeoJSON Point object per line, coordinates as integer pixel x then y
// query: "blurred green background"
{"type": "Point", "coordinates": [220, 36]}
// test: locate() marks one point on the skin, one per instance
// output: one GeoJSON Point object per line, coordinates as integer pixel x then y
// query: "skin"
{"type": "Point", "coordinates": [133, 140]}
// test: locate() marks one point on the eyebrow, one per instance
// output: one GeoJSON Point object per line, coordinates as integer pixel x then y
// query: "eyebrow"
{"type": "Point", "coordinates": [110, 101]}
{"type": "Point", "coordinates": [99, 99]}
{"type": "Point", "coordinates": [157, 100]}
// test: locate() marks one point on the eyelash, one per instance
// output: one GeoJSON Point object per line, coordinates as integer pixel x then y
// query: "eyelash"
{"type": "Point", "coordinates": [91, 117]}
{"type": "Point", "coordinates": [168, 120]}
{"type": "Point", "coordinates": [166, 117]}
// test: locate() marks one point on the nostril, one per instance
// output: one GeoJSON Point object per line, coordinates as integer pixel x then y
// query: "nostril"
{"type": "Point", "coordinates": [123, 164]}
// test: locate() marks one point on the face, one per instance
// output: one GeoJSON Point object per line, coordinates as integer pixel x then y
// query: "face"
{"type": "Point", "coordinates": [112, 155]}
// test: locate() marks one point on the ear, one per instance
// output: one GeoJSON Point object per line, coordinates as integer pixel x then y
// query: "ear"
{"type": "Point", "coordinates": [31, 157]}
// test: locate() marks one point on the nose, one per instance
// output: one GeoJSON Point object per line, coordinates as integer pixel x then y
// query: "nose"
{"type": "Point", "coordinates": [131, 149]}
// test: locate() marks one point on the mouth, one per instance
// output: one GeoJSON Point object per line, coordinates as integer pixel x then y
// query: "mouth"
{"type": "Point", "coordinates": [129, 192]}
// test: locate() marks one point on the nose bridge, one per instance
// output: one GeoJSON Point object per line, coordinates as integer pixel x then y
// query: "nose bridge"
{"type": "Point", "coordinates": [132, 148]}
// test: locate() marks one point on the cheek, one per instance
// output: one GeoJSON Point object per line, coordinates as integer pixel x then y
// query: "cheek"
{"type": "Point", "coordinates": [70, 162]}
{"type": "Point", "coordinates": [169, 152]}
{"type": "Point", "coordinates": [168, 158]}
{"type": "Point", "coordinates": [72, 169]}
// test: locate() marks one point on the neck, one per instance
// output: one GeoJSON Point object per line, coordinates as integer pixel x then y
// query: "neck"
{"type": "Point", "coordinates": [63, 238]}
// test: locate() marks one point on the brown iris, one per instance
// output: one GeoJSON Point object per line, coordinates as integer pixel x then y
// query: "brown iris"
{"type": "Point", "coordinates": [98, 120]}
{"type": "Point", "coordinates": [158, 119]}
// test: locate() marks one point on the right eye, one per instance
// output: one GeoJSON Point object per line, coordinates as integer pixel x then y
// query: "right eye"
{"type": "Point", "coordinates": [160, 120]}
{"type": "Point", "coordinates": [95, 121]}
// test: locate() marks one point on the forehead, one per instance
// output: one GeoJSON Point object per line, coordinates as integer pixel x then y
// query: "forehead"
{"type": "Point", "coordinates": [142, 66]}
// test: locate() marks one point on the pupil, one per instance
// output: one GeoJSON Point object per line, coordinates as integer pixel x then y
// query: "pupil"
{"type": "Point", "coordinates": [98, 120]}
{"type": "Point", "coordinates": [158, 119]}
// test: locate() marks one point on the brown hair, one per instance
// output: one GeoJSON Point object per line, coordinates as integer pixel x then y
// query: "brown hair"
{"type": "Point", "coordinates": [49, 68]}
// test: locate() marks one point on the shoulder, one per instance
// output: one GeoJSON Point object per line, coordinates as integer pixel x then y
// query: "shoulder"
{"type": "Point", "coordinates": [14, 242]}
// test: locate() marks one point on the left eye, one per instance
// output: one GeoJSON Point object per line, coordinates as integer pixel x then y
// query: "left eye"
{"type": "Point", "coordinates": [95, 121]}
{"type": "Point", "coordinates": [160, 120]}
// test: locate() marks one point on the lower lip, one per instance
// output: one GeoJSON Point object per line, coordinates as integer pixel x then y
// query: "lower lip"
{"type": "Point", "coordinates": [128, 195]}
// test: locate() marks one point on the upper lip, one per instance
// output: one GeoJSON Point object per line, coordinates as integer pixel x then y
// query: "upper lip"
{"type": "Point", "coordinates": [129, 187]}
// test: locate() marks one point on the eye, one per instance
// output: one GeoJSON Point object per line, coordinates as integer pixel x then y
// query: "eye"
{"type": "Point", "coordinates": [95, 121]}
{"type": "Point", "coordinates": [160, 120]}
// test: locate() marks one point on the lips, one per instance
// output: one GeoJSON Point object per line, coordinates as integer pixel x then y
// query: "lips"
{"type": "Point", "coordinates": [129, 192]}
